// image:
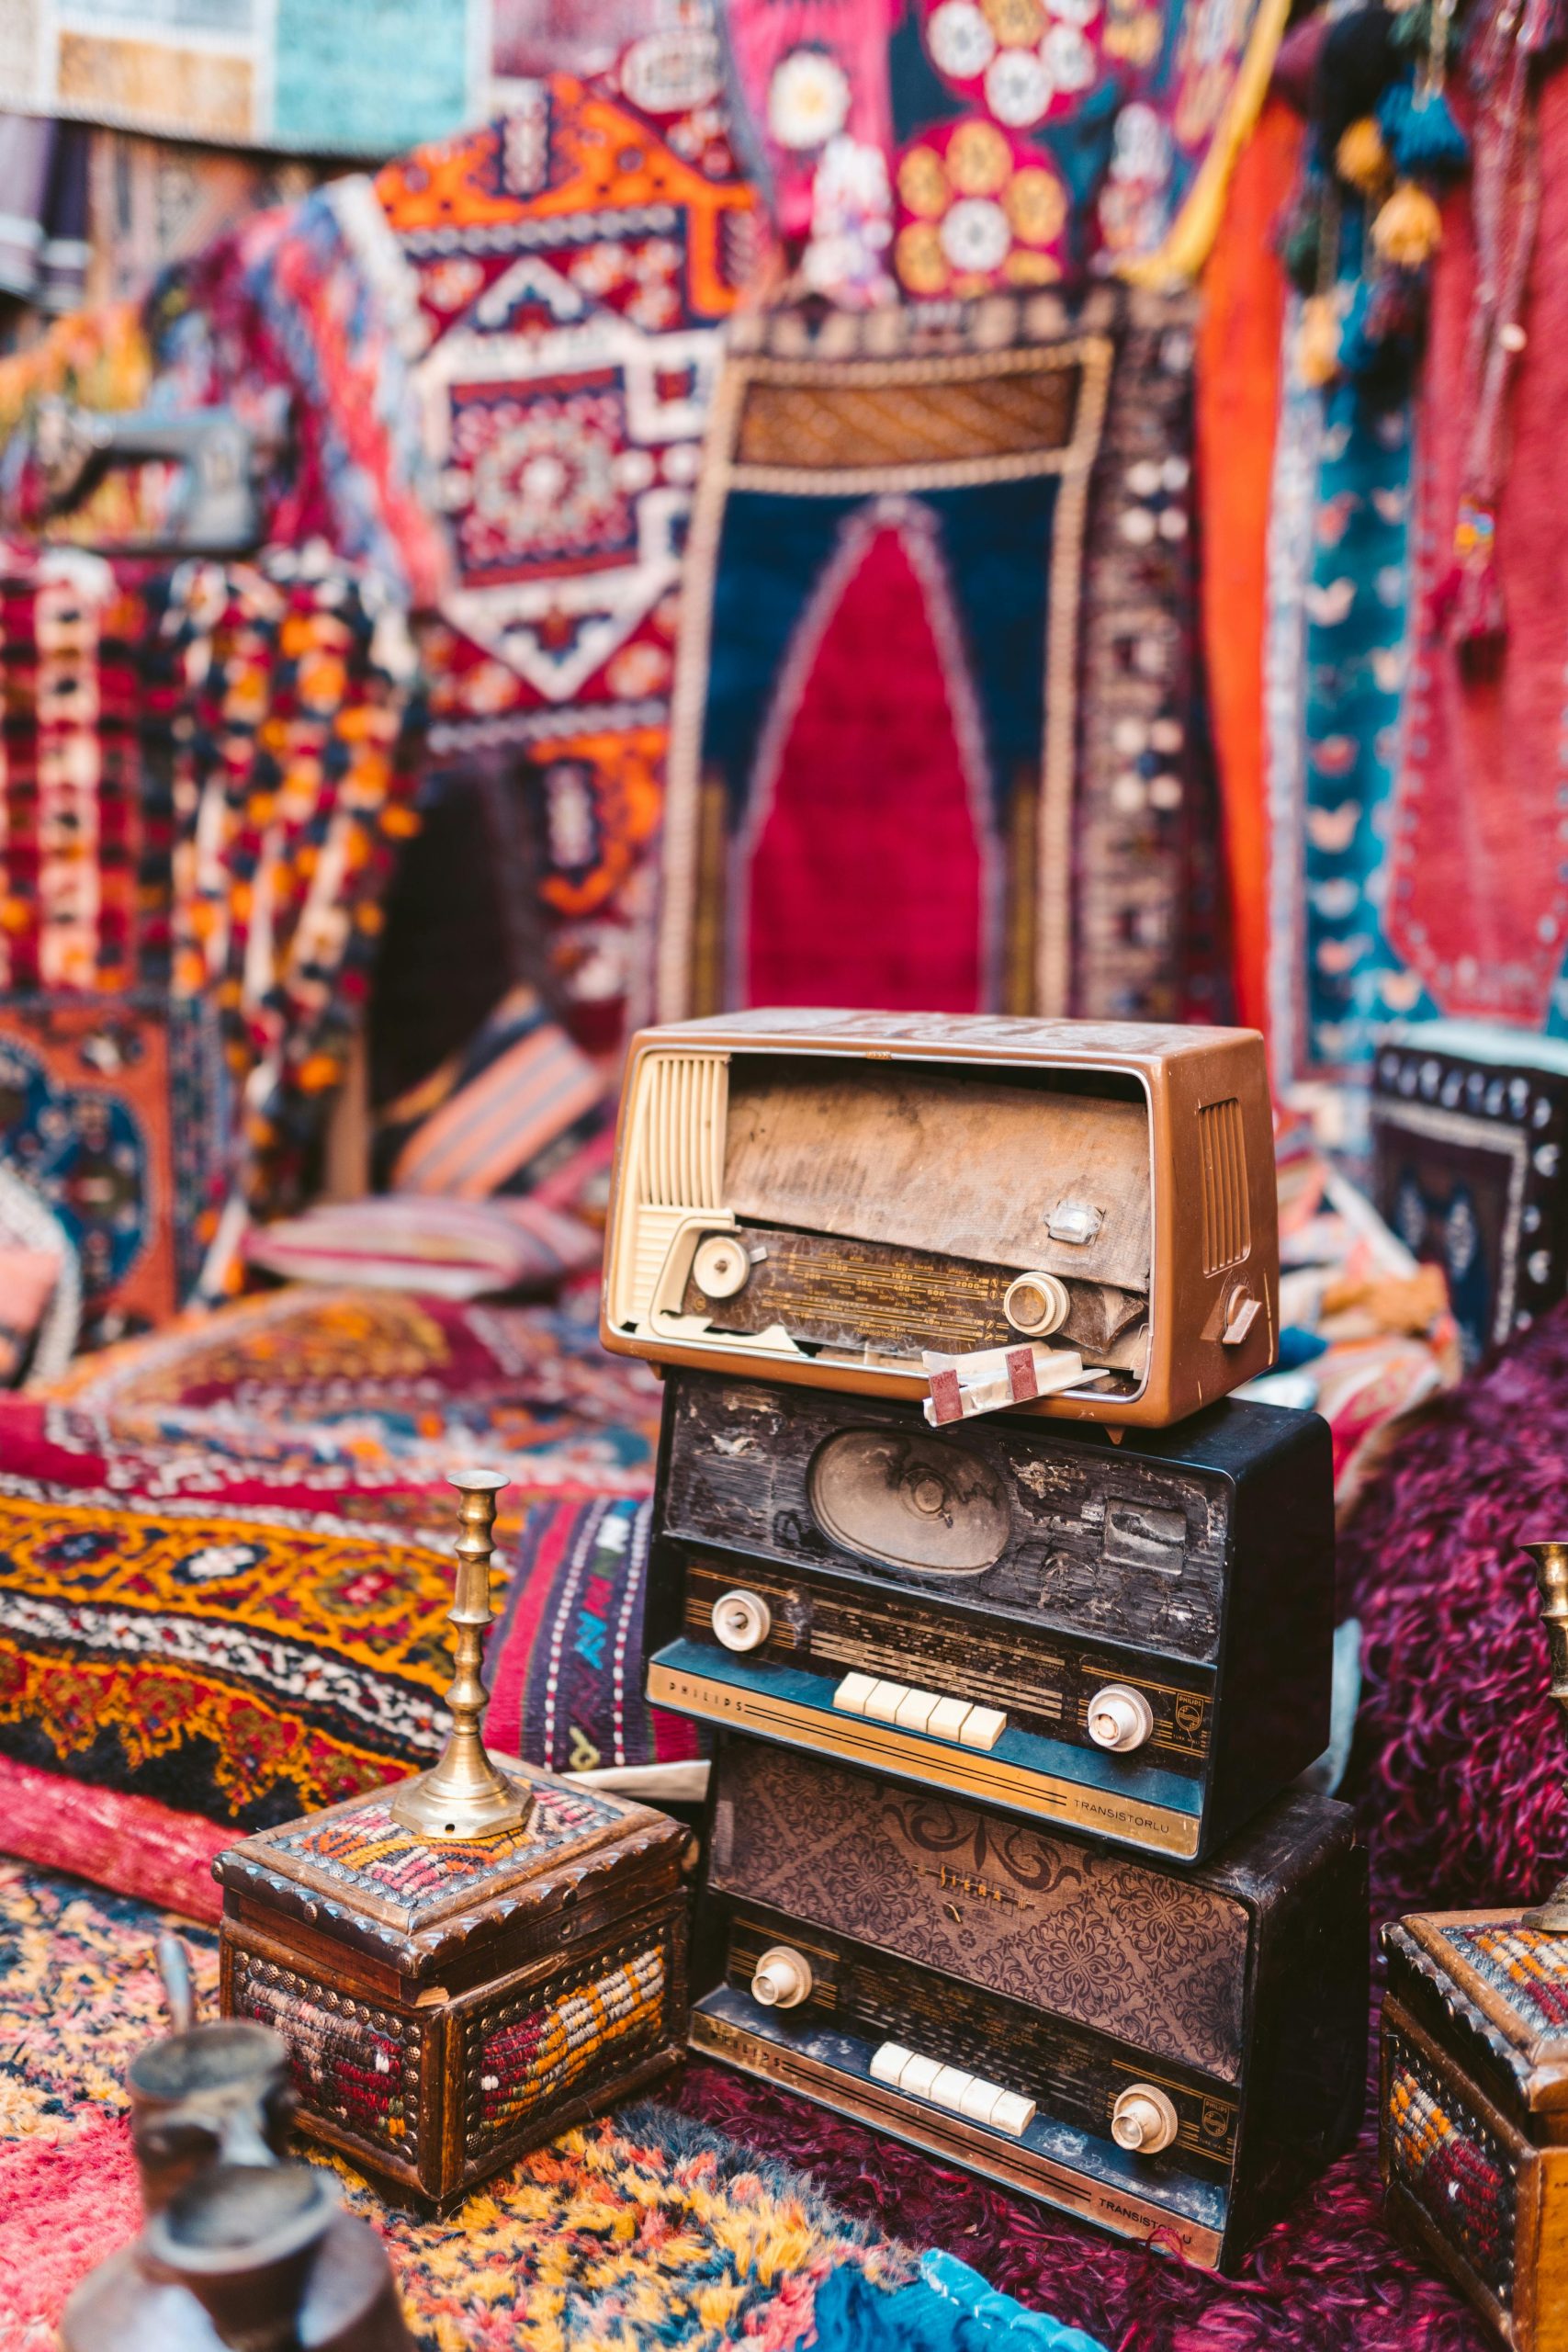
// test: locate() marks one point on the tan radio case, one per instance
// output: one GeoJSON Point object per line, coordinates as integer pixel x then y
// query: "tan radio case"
{"type": "Point", "coordinates": [825, 1197]}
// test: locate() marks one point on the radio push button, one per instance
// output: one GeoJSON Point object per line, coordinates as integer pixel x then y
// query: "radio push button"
{"type": "Point", "coordinates": [939, 1718]}
{"type": "Point", "coordinates": [950, 2087]}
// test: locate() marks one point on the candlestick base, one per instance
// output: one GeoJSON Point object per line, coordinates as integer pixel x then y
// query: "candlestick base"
{"type": "Point", "coordinates": [449, 1808]}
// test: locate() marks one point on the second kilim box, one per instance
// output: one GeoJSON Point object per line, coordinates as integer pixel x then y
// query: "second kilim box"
{"type": "Point", "coordinates": [1475, 2112]}
{"type": "Point", "coordinates": [449, 2005]}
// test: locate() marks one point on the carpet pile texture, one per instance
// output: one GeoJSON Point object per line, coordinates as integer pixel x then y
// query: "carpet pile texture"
{"type": "Point", "coordinates": [649, 2229]}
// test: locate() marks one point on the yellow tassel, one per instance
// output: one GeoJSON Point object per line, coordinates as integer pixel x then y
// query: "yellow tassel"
{"type": "Point", "coordinates": [1317, 346]}
{"type": "Point", "coordinates": [1361, 159]}
{"type": "Point", "coordinates": [1409, 229]}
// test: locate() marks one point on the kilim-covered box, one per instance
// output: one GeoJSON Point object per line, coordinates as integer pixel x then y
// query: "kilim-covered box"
{"type": "Point", "coordinates": [1475, 2112]}
{"type": "Point", "coordinates": [448, 2006]}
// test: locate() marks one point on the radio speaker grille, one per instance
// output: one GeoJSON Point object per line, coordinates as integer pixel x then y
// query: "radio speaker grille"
{"type": "Point", "coordinates": [1227, 1233]}
{"type": "Point", "coordinates": [675, 1160]}
{"type": "Point", "coordinates": [683, 1131]}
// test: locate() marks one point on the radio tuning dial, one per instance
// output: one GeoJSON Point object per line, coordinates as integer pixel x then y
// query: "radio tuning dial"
{"type": "Point", "coordinates": [1120, 1718]}
{"type": "Point", "coordinates": [742, 1621]}
{"type": "Point", "coordinates": [782, 1978]}
{"type": "Point", "coordinates": [1144, 2120]}
{"type": "Point", "coordinates": [1036, 1305]}
{"type": "Point", "coordinates": [720, 1266]}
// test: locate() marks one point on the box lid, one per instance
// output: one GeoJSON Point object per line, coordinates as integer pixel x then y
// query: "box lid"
{"type": "Point", "coordinates": [353, 1873]}
{"type": "Point", "coordinates": [1501, 1983]}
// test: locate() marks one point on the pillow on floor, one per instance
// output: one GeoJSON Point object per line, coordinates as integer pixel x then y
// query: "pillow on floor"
{"type": "Point", "coordinates": [517, 1104]}
{"type": "Point", "coordinates": [444, 1249]}
{"type": "Point", "coordinates": [247, 1666]}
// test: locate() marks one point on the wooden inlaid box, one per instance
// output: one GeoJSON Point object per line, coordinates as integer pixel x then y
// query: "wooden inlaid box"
{"type": "Point", "coordinates": [447, 2006]}
{"type": "Point", "coordinates": [1133, 1640]}
{"type": "Point", "coordinates": [823, 1198]}
{"type": "Point", "coordinates": [1474, 2126]}
{"type": "Point", "coordinates": [1162, 2051]}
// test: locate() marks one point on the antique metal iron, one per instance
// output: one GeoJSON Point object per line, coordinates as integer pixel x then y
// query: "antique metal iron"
{"type": "Point", "coordinates": [1550, 1557]}
{"type": "Point", "coordinates": [467, 1799]}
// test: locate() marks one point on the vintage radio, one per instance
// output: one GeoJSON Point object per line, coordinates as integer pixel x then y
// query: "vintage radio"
{"type": "Point", "coordinates": [467, 1961]}
{"type": "Point", "coordinates": [831, 1198]}
{"type": "Point", "coordinates": [1474, 2121]}
{"type": "Point", "coordinates": [1168, 2054]}
{"type": "Point", "coordinates": [1130, 1639]}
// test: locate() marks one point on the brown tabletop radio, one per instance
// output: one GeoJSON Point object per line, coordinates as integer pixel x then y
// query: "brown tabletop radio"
{"type": "Point", "coordinates": [1173, 2054]}
{"type": "Point", "coordinates": [960, 1209]}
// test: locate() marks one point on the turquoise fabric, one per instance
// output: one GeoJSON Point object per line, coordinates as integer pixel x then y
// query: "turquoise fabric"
{"type": "Point", "coordinates": [949, 2309]}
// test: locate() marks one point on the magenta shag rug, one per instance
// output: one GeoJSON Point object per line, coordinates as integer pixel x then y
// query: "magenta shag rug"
{"type": "Point", "coordinates": [1459, 1763]}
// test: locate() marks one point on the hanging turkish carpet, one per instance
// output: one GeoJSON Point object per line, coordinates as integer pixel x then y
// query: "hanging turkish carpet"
{"type": "Point", "coordinates": [933, 736]}
{"type": "Point", "coordinates": [570, 268]}
{"type": "Point", "coordinates": [1478, 880]}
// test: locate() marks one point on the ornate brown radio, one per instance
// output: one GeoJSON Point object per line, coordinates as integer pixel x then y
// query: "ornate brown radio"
{"type": "Point", "coordinates": [1132, 1640]}
{"type": "Point", "coordinates": [964, 1209]}
{"type": "Point", "coordinates": [1172, 2053]}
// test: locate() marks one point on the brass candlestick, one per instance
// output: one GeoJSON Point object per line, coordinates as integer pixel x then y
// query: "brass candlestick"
{"type": "Point", "coordinates": [466, 1798]}
{"type": "Point", "coordinates": [1552, 1581]}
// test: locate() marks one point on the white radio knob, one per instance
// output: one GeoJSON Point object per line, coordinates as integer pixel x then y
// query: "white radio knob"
{"type": "Point", "coordinates": [720, 1266]}
{"type": "Point", "coordinates": [1143, 2121]}
{"type": "Point", "coordinates": [742, 1620]}
{"type": "Point", "coordinates": [782, 1978]}
{"type": "Point", "coordinates": [1120, 1718]}
{"type": "Point", "coordinates": [1036, 1305]}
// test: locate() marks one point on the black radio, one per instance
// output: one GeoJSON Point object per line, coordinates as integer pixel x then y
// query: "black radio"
{"type": "Point", "coordinates": [1131, 1639]}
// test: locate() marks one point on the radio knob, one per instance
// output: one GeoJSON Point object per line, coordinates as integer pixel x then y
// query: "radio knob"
{"type": "Point", "coordinates": [720, 1266]}
{"type": "Point", "coordinates": [742, 1620]}
{"type": "Point", "coordinates": [1143, 2121]}
{"type": "Point", "coordinates": [1120, 1718]}
{"type": "Point", "coordinates": [1036, 1305]}
{"type": "Point", "coordinates": [782, 1978]}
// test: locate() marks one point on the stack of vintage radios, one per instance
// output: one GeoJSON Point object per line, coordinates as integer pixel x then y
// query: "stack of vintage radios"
{"type": "Point", "coordinates": [1017, 1629]}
